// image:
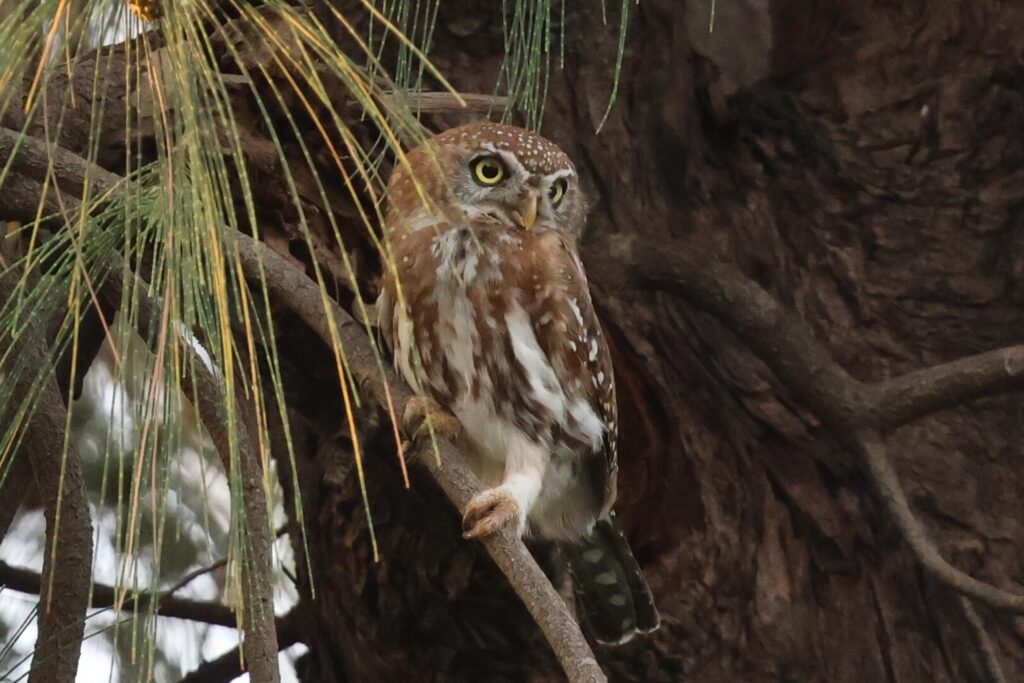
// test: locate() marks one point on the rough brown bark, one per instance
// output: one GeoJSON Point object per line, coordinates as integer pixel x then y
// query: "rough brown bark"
{"type": "Point", "coordinates": [57, 471]}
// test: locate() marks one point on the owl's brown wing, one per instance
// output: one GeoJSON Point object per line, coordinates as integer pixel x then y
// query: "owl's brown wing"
{"type": "Point", "coordinates": [554, 288]}
{"type": "Point", "coordinates": [612, 596]}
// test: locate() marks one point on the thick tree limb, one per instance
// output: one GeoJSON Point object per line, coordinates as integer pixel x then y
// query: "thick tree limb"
{"type": "Point", "coordinates": [915, 394]}
{"type": "Point", "coordinates": [786, 344]}
{"type": "Point", "coordinates": [22, 195]}
{"type": "Point", "coordinates": [292, 286]}
{"type": "Point", "coordinates": [67, 561]}
{"type": "Point", "coordinates": [34, 159]}
{"type": "Point", "coordinates": [853, 411]}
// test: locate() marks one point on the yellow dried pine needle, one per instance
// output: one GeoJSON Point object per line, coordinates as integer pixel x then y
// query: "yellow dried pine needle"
{"type": "Point", "coordinates": [147, 10]}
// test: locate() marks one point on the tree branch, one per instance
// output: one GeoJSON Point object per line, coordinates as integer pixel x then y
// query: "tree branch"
{"type": "Point", "coordinates": [208, 395]}
{"type": "Point", "coordinates": [985, 644]}
{"type": "Point", "coordinates": [33, 158]}
{"type": "Point", "coordinates": [787, 345]}
{"type": "Point", "coordinates": [855, 412]}
{"type": "Point", "coordinates": [915, 394]}
{"type": "Point", "coordinates": [889, 490]}
{"type": "Point", "coordinates": [292, 286]}
{"type": "Point", "coordinates": [67, 560]}
{"type": "Point", "coordinates": [28, 581]}
{"type": "Point", "coordinates": [229, 666]}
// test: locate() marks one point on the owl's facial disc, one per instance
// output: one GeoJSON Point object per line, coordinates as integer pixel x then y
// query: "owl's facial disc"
{"type": "Point", "coordinates": [494, 181]}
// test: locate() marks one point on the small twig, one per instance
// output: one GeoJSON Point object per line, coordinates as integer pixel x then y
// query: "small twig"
{"type": "Point", "coordinates": [985, 644]}
{"type": "Point", "coordinates": [442, 101]}
{"type": "Point", "coordinates": [195, 574]}
{"type": "Point", "coordinates": [291, 286]}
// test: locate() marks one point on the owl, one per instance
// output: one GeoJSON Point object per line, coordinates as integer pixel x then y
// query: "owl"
{"type": "Point", "coordinates": [486, 308]}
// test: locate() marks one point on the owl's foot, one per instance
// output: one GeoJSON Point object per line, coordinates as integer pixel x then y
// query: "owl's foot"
{"type": "Point", "coordinates": [423, 414]}
{"type": "Point", "coordinates": [490, 511]}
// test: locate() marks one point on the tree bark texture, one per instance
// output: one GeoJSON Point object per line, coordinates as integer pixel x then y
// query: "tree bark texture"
{"type": "Point", "coordinates": [863, 163]}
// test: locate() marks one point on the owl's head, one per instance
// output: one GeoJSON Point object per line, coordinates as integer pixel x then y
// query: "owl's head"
{"type": "Point", "coordinates": [505, 173]}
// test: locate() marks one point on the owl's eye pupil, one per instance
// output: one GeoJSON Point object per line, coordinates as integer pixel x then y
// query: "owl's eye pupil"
{"type": "Point", "coordinates": [488, 171]}
{"type": "Point", "coordinates": [557, 191]}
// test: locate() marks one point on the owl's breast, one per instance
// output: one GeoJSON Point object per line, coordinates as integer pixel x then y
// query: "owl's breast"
{"type": "Point", "coordinates": [469, 339]}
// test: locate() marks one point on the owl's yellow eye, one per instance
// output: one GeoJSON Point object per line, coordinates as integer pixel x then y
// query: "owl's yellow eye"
{"type": "Point", "coordinates": [488, 171]}
{"type": "Point", "coordinates": [557, 191]}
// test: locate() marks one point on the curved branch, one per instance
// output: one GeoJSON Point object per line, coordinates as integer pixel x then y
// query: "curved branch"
{"type": "Point", "coordinates": [292, 286]}
{"type": "Point", "coordinates": [985, 644]}
{"type": "Point", "coordinates": [778, 336]}
{"type": "Point", "coordinates": [786, 344]}
{"type": "Point", "coordinates": [889, 490]}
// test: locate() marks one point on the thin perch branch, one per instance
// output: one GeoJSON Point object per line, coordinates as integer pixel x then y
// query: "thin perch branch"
{"type": "Point", "coordinates": [292, 286]}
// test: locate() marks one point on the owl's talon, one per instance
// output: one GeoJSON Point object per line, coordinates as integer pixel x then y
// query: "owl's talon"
{"type": "Point", "coordinates": [422, 414]}
{"type": "Point", "coordinates": [488, 512]}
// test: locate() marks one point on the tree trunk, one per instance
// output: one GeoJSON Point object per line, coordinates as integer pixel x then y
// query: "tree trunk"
{"type": "Point", "coordinates": [860, 161]}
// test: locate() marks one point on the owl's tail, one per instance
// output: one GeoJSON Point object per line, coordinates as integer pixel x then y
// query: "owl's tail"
{"type": "Point", "coordinates": [612, 597]}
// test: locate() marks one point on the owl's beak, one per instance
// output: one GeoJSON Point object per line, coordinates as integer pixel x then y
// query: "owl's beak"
{"type": "Point", "coordinates": [527, 214]}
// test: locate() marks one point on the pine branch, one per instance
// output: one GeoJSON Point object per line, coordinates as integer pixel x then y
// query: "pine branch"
{"type": "Point", "coordinates": [75, 174]}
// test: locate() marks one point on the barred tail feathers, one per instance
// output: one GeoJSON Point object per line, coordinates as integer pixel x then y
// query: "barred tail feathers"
{"type": "Point", "coordinates": [612, 597]}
